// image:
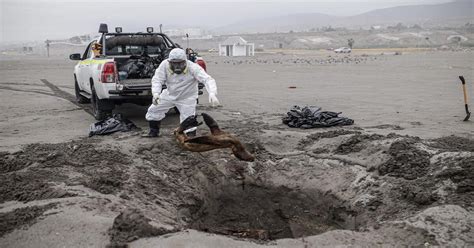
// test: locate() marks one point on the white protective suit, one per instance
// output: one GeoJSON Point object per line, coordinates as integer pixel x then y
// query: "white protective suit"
{"type": "Point", "coordinates": [182, 89]}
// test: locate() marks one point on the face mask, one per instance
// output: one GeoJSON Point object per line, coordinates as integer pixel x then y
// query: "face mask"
{"type": "Point", "coordinates": [178, 67]}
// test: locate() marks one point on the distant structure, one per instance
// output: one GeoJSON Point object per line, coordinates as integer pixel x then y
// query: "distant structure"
{"type": "Point", "coordinates": [236, 46]}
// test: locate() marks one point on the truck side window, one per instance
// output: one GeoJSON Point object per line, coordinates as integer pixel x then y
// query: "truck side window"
{"type": "Point", "coordinates": [88, 51]}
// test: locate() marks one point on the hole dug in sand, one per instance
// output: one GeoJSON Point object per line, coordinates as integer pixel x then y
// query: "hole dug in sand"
{"type": "Point", "coordinates": [268, 213]}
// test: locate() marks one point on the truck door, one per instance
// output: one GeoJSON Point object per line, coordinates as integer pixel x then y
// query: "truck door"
{"type": "Point", "coordinates": [84, 69]}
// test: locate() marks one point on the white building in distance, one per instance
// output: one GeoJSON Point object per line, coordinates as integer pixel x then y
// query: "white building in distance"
{"type": "Point", "coordinates": [236, 46]}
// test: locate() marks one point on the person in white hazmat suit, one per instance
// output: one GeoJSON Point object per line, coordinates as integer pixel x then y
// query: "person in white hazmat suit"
{"type": "Point", "coordinates": [181, 77]}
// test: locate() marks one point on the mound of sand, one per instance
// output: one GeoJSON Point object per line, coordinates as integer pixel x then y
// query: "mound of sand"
{"type": "Point", "coordinates": [319, 184]}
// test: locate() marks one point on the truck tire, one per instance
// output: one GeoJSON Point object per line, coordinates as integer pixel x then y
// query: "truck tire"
{"type": "Point", "coordinates": [79, 98]}
{"type": "Point", "coordinates": [97, 108]}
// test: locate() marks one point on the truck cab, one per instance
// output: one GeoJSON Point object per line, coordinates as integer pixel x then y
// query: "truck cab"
{"type": "Point", "coordinates": [117, 68]}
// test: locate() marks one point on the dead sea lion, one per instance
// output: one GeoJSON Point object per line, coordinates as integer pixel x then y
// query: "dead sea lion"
{"type": "Point", "coordinates": [216, 140]}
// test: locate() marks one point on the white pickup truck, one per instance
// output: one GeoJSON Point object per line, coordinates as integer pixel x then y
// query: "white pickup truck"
{"type": "Point", "coordinates": [117, 68]}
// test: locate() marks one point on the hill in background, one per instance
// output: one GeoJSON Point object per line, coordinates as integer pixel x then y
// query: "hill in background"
{"type": "Point", "coordinates": [448, 14]}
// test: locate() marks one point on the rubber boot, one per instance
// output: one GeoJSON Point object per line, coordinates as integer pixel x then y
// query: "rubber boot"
{"type": "Point", "coordinates": [154, 129]}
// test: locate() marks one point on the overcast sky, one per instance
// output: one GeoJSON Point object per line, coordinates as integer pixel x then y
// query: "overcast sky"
{"type": "Point", "coordinates": [26, 20]}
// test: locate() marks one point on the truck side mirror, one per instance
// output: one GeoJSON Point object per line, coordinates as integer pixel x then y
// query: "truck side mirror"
{"type": "Point", "coordinates": [75, 56]}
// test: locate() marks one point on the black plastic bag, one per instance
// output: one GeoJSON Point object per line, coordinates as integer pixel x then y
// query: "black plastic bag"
{"type": "Point", "coordinates": [313, 117]}
{"type": "Point", "coordinates": [111, 125]}
{"type": "Point", "coordinates": [134, 68]}
{"type": "Point", "coordinates": [141, 66]}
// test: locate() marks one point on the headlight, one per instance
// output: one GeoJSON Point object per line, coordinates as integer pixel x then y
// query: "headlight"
{"type": "Point", "coordinates": [119, 86]}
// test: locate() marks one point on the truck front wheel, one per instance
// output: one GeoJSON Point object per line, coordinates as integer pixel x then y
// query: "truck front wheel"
{"type": "Point", "coordinates": [99, 107]}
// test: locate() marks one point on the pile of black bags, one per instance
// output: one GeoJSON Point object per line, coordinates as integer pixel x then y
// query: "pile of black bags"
{"type": "Point", "coordinates": [115, 123]}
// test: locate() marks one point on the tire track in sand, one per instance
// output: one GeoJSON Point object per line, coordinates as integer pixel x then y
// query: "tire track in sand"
{"type": "Point", "coordinates": [66, 96]}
